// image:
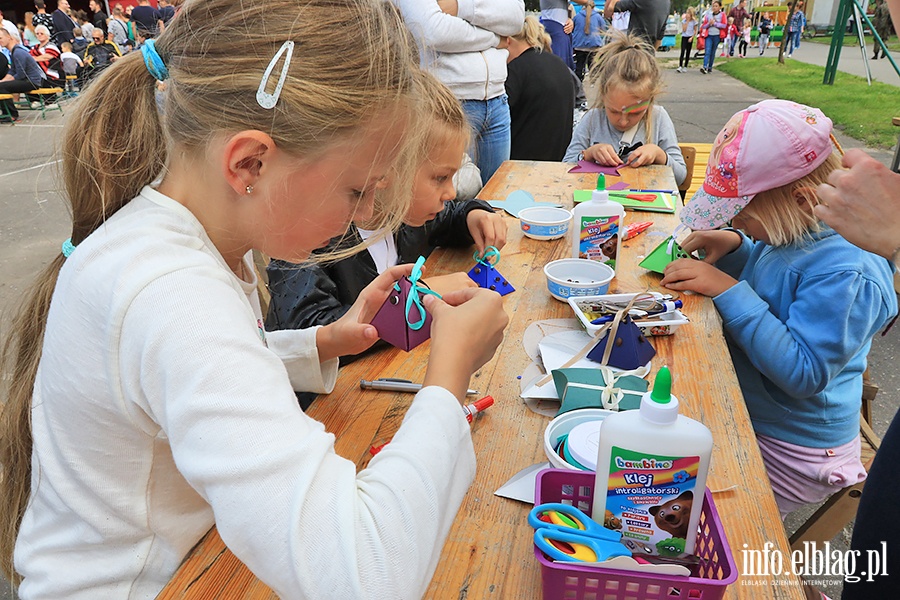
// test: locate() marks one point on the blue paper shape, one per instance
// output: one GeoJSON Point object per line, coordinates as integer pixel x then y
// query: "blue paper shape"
{"type": "Point", "coordinates": [489, 278]}
{"type": "Point", "coordinates": [519, 200]}
{"type": "Point", "coordinates": [630, 348]}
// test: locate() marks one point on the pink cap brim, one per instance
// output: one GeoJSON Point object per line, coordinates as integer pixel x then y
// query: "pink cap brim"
{"type": "Point", "coordinates": [705, 211]}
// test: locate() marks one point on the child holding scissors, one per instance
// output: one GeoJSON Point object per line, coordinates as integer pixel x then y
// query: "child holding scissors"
{"type": "Point", "coordinates": [145, 401]}
{"type": "Point", "coordinates": [306, 296]}
{"type": "Point", "coordinates": [625, 126]}
{"type": "Point", "coordinates": [798, 302]}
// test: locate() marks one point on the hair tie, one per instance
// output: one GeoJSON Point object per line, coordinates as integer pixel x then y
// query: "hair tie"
{"type": "Point", "coordinates": [68, 248]}
{"type": "Point", "coordinates": [153, 61]}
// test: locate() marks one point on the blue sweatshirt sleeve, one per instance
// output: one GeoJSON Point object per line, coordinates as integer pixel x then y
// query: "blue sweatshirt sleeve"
{"type": "Point", "coordinates": [830, 318]}
{"type": "Point", "coordinates": [733, 263]}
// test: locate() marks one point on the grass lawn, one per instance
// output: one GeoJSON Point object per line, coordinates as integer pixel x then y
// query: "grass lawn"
{"type": "Point", "coordinates": [858, 110]}
{"type": "Point", "coordinates": [893, 43]}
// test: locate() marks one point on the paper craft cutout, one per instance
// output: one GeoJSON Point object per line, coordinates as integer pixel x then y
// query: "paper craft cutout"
{"type": "Point", "coordinates": [519, 200]}
{"type": "Point", "coordinates": [589, 166]}
{"type": "Point", "coordinates": [630, 349]}
{"type": "Point", "coordinates": [662, 255]}
{"type": "Point", "coordinates": [598, 388]}
{"type": "Point", "coordinates": [619, 185]}
{"type": "Point", "coordinates": [402, 320]}
{"type": "Point", "coordinates": [486, 276]}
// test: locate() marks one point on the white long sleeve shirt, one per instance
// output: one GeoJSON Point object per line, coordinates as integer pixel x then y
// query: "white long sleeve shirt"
{"type": "Point", "coordinates": [461, 51]}
{"type": "Point", "coordinates": [159, 411]}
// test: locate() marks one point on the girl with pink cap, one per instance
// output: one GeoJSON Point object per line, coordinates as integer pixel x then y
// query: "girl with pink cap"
{"type": "Point", "coordinates": [798, 302]}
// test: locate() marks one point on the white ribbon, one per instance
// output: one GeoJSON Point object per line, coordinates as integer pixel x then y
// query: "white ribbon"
{"type": "Point", "coordinates": [610, 395]}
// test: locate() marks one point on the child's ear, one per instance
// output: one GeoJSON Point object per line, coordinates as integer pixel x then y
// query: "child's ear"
{"type": "Point", "coordinates": [246, 157]}
{"type": "Point", "coordinates": [806, 198]}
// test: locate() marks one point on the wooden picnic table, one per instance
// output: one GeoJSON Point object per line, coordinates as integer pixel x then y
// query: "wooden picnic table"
{"type": "Point", "coordinates": [489, 552]}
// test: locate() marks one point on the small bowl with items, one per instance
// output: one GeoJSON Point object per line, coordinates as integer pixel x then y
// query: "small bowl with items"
{"type": "Point", "coordinates": [571, 439]}
{"type": "Point", "coordinates": [654, 313]}
{"type": "Point", "coordinates": [569, 277]}
{"type": "Point", "coordinates": [544, 222]}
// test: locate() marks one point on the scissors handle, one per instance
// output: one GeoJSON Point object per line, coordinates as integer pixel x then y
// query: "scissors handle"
{"type": "Point", "coordinates": [576, 547]}
{"type": "Point", "coordinates": [562, 517]}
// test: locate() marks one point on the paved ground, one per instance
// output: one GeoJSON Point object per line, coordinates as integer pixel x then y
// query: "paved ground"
{"type": "Point", "coordinates": [34, 219]}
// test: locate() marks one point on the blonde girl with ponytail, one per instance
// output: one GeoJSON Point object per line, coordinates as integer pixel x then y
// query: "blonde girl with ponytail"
{"type": "Point", "coordinates": [144, 401]}
{"type": "Point", "coordinates": [625, 126]}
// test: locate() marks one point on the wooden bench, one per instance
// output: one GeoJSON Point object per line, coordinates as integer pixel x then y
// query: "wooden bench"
{"type": "Point", "coordinates": [43, 105]}
{"type": "Point", "coordinates": [697, 171]}
{"type": "Point", "coordinates": [4, 112]}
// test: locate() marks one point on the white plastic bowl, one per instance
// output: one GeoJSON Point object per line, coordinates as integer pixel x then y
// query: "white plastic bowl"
{"type": "Point", "coordinates": [544, 222]}
{"type": "Point", "coordinates": [564, 424]}
{"type": "Point", "coordinates": [569, 277]}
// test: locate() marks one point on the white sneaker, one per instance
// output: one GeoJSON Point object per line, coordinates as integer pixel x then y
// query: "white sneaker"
{"type": "Point", "coordinates": [52, 105]}
{"type": "Point", "coordinates": [35, 104]}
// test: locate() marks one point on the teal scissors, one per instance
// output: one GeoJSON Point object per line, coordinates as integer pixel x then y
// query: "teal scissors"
{"type": "Point", "coordinates": [566, 534]}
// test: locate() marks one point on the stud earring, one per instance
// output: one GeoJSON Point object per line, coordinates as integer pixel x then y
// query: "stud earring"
{"type": "Point", "coordinates": [249, 189]}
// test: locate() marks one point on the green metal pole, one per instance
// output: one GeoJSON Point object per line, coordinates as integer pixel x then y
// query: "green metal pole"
{"type": "Point", "coordinates": [877, 37]}
{"type": "Point", "coordinates": [837, 42]}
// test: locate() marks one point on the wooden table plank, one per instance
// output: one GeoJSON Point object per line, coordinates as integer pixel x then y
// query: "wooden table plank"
{"type": "Point", "coordinates": [488, 553]}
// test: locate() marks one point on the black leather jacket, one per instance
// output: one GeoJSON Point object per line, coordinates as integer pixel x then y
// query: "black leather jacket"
{"type": "Point", "coordinates": [305, 296]}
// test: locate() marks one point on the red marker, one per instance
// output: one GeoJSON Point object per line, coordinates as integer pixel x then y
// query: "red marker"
{"type": "Point", "coordinates": [479, 405]}
{"type": "Point", "coordinates": [636, 228]}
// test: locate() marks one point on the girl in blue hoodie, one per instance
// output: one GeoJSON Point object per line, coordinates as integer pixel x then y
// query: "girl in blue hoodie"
{"type": "Point", "coordinates": [798, 302]}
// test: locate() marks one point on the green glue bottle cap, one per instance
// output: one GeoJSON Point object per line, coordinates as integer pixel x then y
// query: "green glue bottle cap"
{"type": "Point", "coordinates": [659, 405]}
{"type": "Point", "coordinates": [601, 182]}
{"type": "Point", "coordinates": [662, 387]}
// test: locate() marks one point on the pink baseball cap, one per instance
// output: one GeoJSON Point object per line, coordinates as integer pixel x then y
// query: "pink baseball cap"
{"type": "Point", "coordinates": [765, 146]}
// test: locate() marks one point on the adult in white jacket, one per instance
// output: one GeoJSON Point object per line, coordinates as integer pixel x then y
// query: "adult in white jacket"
{"type": "Point", "coordinates": [462, 42]}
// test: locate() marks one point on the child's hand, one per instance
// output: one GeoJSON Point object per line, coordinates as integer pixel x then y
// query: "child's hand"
{"type": "Point", "coordinates": [444, 284]}
{"type": "Point", "coordinates": [352, 333]}
{"type": "Point", "coordinates": [712, 245]}
{"type": "Point", "coordinates": [602, 154]}
{"type": "Point", "coordinates": [487, 229]}
{"type": "Point", "coordinates": [648, 154]}
{"type": "Point", "coordinates": [687, 274]}
{"type": "Point", "coordinates": [466, 329]}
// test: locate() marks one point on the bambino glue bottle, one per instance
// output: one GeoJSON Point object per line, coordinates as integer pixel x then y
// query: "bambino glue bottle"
{"type": "Point", "coordinates": [598, 226]}
{"type": "Point", "coordinates": [651, 473]}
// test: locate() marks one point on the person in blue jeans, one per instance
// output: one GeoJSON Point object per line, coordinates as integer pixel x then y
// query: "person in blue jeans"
{"type": "Point", "coordinates": [714, 23]}
{"type": "Point", "coordinates": [463, 45]}
{"type": "Point", "coordinates": [796, 25]}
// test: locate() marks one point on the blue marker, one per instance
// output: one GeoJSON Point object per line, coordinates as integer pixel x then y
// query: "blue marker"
{"type": "Point", "coordinates": [667, 307]}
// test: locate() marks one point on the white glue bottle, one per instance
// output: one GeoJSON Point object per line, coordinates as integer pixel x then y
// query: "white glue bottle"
{"type": "Point", "coordinates": [651, 473]}
{"type": "Point", "coordinates": [598, 226]}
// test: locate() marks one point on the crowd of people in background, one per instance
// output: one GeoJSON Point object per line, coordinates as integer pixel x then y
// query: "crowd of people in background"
{"type": "Point", "coordinates": [90, 40]}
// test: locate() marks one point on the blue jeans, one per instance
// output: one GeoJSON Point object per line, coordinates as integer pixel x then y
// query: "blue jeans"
{"type": "Point", "coordinates": [709, 55]}
{"type": "Point", "coordinates": [731, 45]}
{"type": "Point", "coordinates": [793, 41]}
{"type": "Point", "coordinates": [490, 122]}
{"type": "Point", "coordinates": [560, 42]}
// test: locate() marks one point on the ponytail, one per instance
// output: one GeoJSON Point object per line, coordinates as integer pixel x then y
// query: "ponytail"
{"type": "Point", "coordinates": [107, 158]}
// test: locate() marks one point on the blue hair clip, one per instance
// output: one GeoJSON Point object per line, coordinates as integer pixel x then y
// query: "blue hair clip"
{"type": "Point", "coordinates": [68, 248]}
{"type": "Point", "coordinates": [153, 61]}
{"type": "Point", "coordinates": [413, 297]}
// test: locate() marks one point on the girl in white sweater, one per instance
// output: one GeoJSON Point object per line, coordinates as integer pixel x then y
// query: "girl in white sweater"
{"type": "Point", "coordinates": [146, 403]}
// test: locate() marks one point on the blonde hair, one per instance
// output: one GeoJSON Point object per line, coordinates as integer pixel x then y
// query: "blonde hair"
{"type": "Point", "coordinates": [216, 52]}
{"type": "Point", "coordinates": [437, 104]}
{"type": "Point", "coordinates": [690, 12]}
{"type": "Point", "coordinates": [778, 212]}
{"type": "Point", "coordinates": [534, 34]}
{"type": "Point", "coordinates": [626, 61]}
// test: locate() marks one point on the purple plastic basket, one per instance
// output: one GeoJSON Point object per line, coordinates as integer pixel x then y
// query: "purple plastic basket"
{"type": "Point", "coordinates": [568, 581]}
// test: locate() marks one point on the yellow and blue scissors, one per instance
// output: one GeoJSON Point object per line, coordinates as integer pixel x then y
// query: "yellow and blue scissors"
{"type": "Point", "coordinates": [565, 533]}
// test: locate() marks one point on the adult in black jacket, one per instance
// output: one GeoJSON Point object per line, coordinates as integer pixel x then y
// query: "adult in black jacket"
{"type": "Point", "coordinates": [541, 92]}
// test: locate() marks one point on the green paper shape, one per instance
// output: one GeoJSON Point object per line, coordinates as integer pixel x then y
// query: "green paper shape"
{"type": "Point", "coordinates": [657, 260]}
{"type": "Point", "coordinates": [573, 393]}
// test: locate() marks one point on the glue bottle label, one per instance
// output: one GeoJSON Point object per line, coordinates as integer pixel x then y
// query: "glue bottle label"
{"type": "Point", "coordinates": [649, 499]}
{"type": "Point", "coordinates": [599, 238]}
